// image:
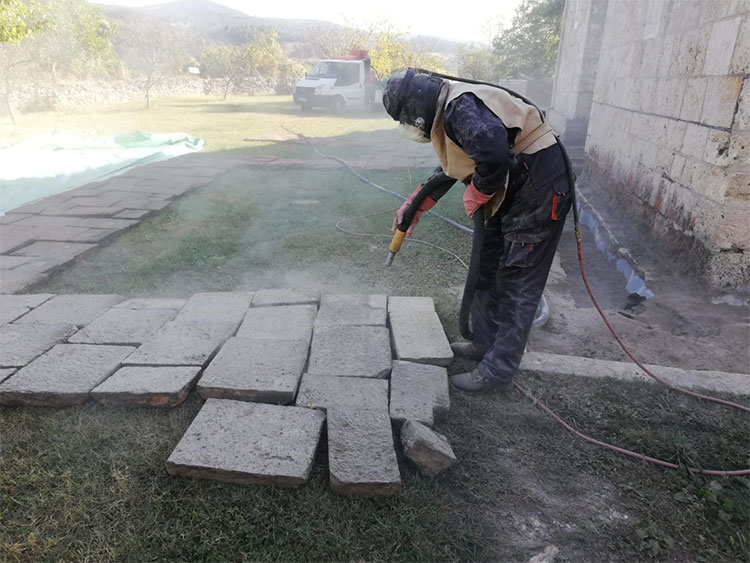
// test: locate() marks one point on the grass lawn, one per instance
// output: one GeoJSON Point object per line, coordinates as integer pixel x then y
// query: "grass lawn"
{"type": "Point", "coordinates": [89, 483]}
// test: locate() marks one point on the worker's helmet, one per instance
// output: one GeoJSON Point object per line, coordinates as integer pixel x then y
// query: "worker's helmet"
{"type": "Point", "coordinates": [410, 97]}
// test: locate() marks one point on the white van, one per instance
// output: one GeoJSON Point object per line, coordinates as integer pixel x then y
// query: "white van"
{"type": "Point", "coordinates": [339, 83]}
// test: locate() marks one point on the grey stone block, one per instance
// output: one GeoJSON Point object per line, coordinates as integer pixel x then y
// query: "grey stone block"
{"type": "Point", "coordinates": [14, 306]}
{"type": "Point", "coordinates": [427, 449]}
{"type": "Point", "coordinates": [323, 392]}
{"type": "Point", "coordinates": [123, 326]}
{"type": "Point", "coordinates": [356, 310]}
{"type": "Point", "coordinates": [162, 386]}
{"type": "Point", "coordinates": [279, 323]}
{"type": "Point", "coordinates": [419, 392]}
{"type": "Point", "coordinates": [63, 376]}
{"type": "Point", "coordinates": [139, 303]}
{"type": "Point", "coordinates": [418, 335]}
{"type": "Point", "coordinates": [255, 370]}
{"type": "Point", "coordinates": [218, 313]}
{"type": "Point", "coordinates": [5, 373]}
{"type": "Point", "coordinates": [271, 297]}
{"type": "Point", "coordinates": [77, 310]}
{"type": "Point", "coordinates": [21, 343]}
{"type": "Point", "coordinates": [352, 351]}
{"type": "Point", "coordinates": [249, 443]}
{"type": "Point", "coordinates": [361, 456]}
{"type": "Point", "coordinates": [177, 344]}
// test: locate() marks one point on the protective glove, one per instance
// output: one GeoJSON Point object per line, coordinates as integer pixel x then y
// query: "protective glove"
{"type": "Point", "coordinates": [474, 199]}
{"type": "Point", "coordinates": [426, 205]}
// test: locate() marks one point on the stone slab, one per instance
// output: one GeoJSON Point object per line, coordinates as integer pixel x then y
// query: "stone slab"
{"type": "Point", "coordinates": [78, 310]}
{"type": "Point", "coordinates": [63, 376]}
{"type": "Point", "coordinates": [249, 443]}
{"type": "Point", "coordinates": [255, 370]}
{"type": "Point", "coordinates": [427, 449]}
{"type": "Point", "coordinates": [419, 392]}
{"type": "Point", "coordinates": [14, 237]}
{"type": "Point", "coordinates": [354, 310]}
{"type": "Point", "coordinates": [324, 392]}
{"type": "Point", "coordinates": [18, 279]}
{"type": "Point", "coordinates": [14, 306]}
{"type": "Point", "coordinates": [351, 351]}
{"type": "Point", "coordinates": [162, 386]}
{"type": "Point", "coordinates": [53, 251]}
{"type": "Point", "coordinates": [560, 365]}
{"type": "Point", "coordinates": [151, 303]}
{"type": "Point", "coordinates": [124, 326]}
{"type": "Point", "coordinates": [218, 313]}
{"type": "Point", "coordinates": [21, 343]}
{"type": "Point", "coordinates": [271, 297]}
{"type": "Point", "coordinates": [176, 344]}
{"type": "Point", "coordinates": [417, 332]}
{"type": "Point", "coordinates": [10, 262]}
{"type": "Point", "coordinates": [361, 456]}
{"type": "Point", "coordinates": [5, 373]}
{"type": "Point", "coordinates": [279, 323]}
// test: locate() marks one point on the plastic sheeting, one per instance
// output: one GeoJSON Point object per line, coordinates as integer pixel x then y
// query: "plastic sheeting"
{"type": "Point", "coordinates": [54, 163]}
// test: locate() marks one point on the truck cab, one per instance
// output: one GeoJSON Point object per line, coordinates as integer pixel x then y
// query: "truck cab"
{"type": "Point", "coordinates": [340, 83]}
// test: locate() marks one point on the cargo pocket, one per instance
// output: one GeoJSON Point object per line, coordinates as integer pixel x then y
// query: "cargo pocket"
{"type": "Point", "coordinates": [523, 250]}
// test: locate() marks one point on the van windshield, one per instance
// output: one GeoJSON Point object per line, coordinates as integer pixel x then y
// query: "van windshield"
{"type": "Point", "coordinates": [328, 69]}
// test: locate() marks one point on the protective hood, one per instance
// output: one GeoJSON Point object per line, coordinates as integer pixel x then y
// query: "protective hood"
{"type": "Point", "coordinates": [411, 99]}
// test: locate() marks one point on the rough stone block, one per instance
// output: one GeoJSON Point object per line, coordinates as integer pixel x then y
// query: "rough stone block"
{"type": "Point", "coordinates": [13, 237]}
{"type": "Point", "coordinates": [123, 326]}
{"type": "Point", "coordinates": [324, 392]}
{"type": "Point", "coordinates": [427, 449]}
{"type": "Point", "coordinates": [361, 456]}
{"type": "Point", "coordinates": [63, 376]}
{"type": "Point", "coordinates": [21, 343]}
{"type": "Point", "coordinates": [218, 313]}
{"type": "Point", "coordinates": [177, 344]}
{"type": "Point", "coordinates": [77, 310]}
{"type": "Point", "coordinates": [10, 262]}
{"type": "Point", "coordinates": [356, 310]}
{"type": "Point", "coordinates": [162, 386]}
{"type": "Point", "coordinates": [419, 392]}
{"type": "Point", "coordinates": [249, 443]}
{"type": "Point", "coordinates": [270, 297]}
{"type": "Point", "coordinates": [54, 252]}
{"type": "Point", "coordinates": [279, 323]}
{"type": "Point", "coordinates": [418, 335]}
{"type": "Point", "coordinates": [721, 47]}
{"type": "Point", "coordinates": [5, 373]}
{"type": "Point", "coordinates": [17, 279]}
{"type": "Point", "coordinates": [722, 94]}
{"type": "Point", "coordinates": [175, 304]}
{"type": "Point", "coordinates": [255, 370]}
{"type": "Point", "coordinates": [14, 306]}
{"type": "Point", "coordinates": [354, 351]}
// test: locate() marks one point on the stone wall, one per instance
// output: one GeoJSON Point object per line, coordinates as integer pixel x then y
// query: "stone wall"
{"type": "Point", "coordinates": [537, 90]}
{"type": "Point", "coordinates": [669, 129]}
{"type": "Point", "coordinates": [38, 97]}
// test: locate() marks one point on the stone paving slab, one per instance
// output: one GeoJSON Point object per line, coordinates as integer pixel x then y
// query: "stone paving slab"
{"type": "Point", "coordinates": [63, 376]}
{"type": "Point", "coordinates": [351, 351]}
{"type": "Point", "coordinates": [21, 343]}
{"type": "Point", "coordinates": [355, 310]}
{"type": "Point", "coordinates": [151, 303]}
{"type": "Point", "coordinates": [324, 392]}
{"type": "Point", "coordinates": [13, 237]}
{"type": "Point", "coordinates": [361, 455]}
{"type": "Point", "coordinates": [270, 297]}
{"type": "Point", "coordinates": [124, 326]}
{"type": "Point", "coordinates": [17, 279]}
{"type": "Point", "coordinates": [5, 373]}
{"type": "Point", "coordinates": [417, 332]}
{"type": "Point", "coordinates": [255, 370]}
{"type": "Point", "coordinates": [162, 386]}
{"type": "Point", "coordinates": [419, 392]}
{"type": "Point", "coordinates": [249, 443]}
{"type": "Point", "coordinates": [10, 262]}
{"type": "Point", "coordinates": [78, 310]}
{"type": "Point", "coordinates": [176, 344]}
{"type": "Point", "coordinates": [559, 365]}
{"type": "Point", "coordinates": [14, 306]}
{"type": "Point", "coordinates": [294, 322]}
{"type": "Point", "coordinates": [427, 449]}
{"type": "Point", "coordinates": [219, 313]}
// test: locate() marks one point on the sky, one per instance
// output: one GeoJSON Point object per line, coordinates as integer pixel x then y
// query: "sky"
{"type": "Point", "coordinates": [472, 21]}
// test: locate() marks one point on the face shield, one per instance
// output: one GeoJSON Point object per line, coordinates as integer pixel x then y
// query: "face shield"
{"type": "Point", "coordinates": [411, 99]}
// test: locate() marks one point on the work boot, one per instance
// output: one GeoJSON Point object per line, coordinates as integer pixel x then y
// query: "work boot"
{"type": "Point", "coordinates": [473, 382]}
{"type": "Point", "coordinates": [468, 350]}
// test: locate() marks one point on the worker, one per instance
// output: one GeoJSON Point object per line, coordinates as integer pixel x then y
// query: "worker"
{"type": "Point", "coordinates": [511, 163]}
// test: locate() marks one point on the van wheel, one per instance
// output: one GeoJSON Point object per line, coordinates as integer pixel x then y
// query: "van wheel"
{"type": "Point", "coordinates": [338, 104]}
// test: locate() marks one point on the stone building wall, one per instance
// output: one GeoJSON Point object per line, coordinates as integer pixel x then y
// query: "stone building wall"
{"type": "Point", "coordinates": [669, 129]}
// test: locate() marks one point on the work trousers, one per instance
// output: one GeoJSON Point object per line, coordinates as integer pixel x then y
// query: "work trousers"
{"type": "Point", "coordinates": [519, 244]}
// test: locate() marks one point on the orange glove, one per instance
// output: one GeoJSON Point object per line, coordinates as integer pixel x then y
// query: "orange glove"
{"type": "Point", "coordinates": [427, 204]}
{"type": "Point", "coordinates": [474, 199]}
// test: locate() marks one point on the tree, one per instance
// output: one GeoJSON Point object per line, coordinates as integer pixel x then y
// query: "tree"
{"type": "Point", "coordinates": [477, 64]}
{"type": "Point", "coordinates": [392, 53]}
{"type": "Point", "coordinates": [528, 49]}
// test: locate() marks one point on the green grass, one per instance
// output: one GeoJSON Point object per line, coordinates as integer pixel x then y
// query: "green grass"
{"type": "Point", "coordinates": [222, 124]}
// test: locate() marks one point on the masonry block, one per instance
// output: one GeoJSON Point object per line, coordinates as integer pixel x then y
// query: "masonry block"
{"type": "Point", "coordinates": [721, 46]}
{"type": "Point", "coordinates": [293, 322]}
{"type": "Point", "coordinates": [21, 343]}
{"type": "Point", "coordinates": [161, 386]}
{"type": "Point", "coordinates": [324, 392]}
{"type": "Point", "coordinates": [427, 449]}
{"type": "Point", "coordinates": [720, 102]}
{"type": "Point", "coordinates": [417, 333]}
{"type": "Point", "coordinates": [419, 392]}
{"type": "Point", "coordinates": [249, 443]}
{"type": "Point", "coordinates": [354, 351]}
{"type": "Point", "coordinates": [176, 344]}
{"type": "Point", "coordinates": [272, 297]}
{"type": "Point", "coordinates": [77, 310]}
{"type": "Point", "coordinates": [355, 310]}
{"type": "Point", "coordinates": [14, 306]}
{"type": "Point", "coordinates": [122, 325]}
